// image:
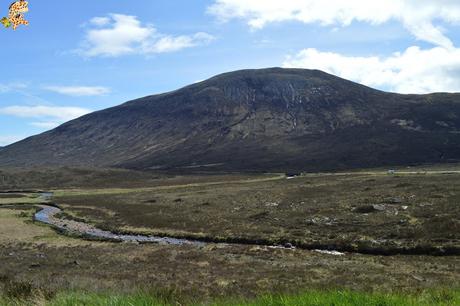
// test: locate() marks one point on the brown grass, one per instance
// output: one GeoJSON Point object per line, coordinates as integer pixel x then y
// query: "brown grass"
{"type": "Point", "coordinates": [368, 210]}
{"type": "Point", "coordinates": [318, 207]}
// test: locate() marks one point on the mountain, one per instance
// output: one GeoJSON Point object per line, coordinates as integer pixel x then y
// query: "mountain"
{"type": "Point", "coordinates": [256, 120]}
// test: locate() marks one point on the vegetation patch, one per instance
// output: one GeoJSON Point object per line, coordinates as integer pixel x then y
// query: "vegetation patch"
{"type": "Point", "coordinates": [314, 210]}
{"type": "Point", "coordinates": [347, 212]}
{"type": "Point", "coordinates": [163, 298]}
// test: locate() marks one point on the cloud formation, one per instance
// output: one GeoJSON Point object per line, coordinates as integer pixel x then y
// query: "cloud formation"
{"type": "Point", "coordinates": [413, 71]}
{"type": "Point", "coordinates": [79, 91]}
{"type": "Point", "coordinates": [4, 88]}
{"type": "Point", "coordinates": [176, 43]}
{"type": "Point", "coordinates": [9, 139]}
{"type": "Point", "coordinates": [47, 116]}
{"type": "Point", "coordinates": [417, 16]}
{"type": "Point", "coordinates": [119, 34]}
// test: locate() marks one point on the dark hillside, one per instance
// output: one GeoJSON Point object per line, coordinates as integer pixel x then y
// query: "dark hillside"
{"type": "Point", "coordinates": [262, 120]}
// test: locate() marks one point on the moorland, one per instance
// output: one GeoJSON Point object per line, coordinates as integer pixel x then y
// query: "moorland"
{"type": "Point", "coordinates": [368, 236]}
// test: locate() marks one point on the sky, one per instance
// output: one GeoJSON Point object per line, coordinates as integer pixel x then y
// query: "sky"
{"type": "Point", "coordinates": [76, 57]}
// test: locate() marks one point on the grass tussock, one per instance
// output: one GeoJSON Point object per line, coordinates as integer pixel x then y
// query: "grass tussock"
{"type": "Point", "coordinates": [24, 293]}
{"type": "Point", "coordinates": [444, 297]}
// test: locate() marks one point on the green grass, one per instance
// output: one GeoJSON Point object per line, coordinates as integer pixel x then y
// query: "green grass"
{"type": "Point", "coordinates": [348, 298]}
{"type": "Point", "coordinates": [106, 300]}
{"type": "Point", "coordinates": [313, 298]}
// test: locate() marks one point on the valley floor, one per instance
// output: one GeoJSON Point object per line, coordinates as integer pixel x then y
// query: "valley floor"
{"type": "Point", "coordinates": [412, 213]}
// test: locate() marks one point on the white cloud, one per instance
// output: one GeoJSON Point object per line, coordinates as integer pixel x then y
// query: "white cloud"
{"type": "Point", "coordinates": [412, 71]}
{"type": "Point", "coordinates": [100, 21]}
{"type": "Point", "coordinates": [417, 16]}
{"type": "Point", "coordinates": [9, 139]}
{"type": "Point", "coordinates": [79, 90]}
{"type": "Point", "coordinates": [4, 88]}
{"type": "Point", "coordinates": [119, 35]}
{"type": "Point", "coordinates": [123, 35]}
{"type": "Point", "coordinates": [176, 43]}
{"type": "Point", "coordinates": [47, 116]}
{"type": "Point", "coordinates": [46, 124]}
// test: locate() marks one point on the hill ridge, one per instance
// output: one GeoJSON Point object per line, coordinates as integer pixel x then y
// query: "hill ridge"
{"type": "Point", "coordinates": [272, 119]}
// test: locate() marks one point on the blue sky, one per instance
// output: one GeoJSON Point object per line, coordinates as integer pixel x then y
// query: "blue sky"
{"type": "Point", "coordinates": [80, 56]}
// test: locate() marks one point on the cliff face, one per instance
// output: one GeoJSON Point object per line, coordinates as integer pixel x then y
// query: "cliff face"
{"type": "Point", "coordinates": [263, 120]}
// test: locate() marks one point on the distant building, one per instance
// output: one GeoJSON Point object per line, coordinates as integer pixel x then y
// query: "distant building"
{"type": "Point", "coordinates": [391, 172]}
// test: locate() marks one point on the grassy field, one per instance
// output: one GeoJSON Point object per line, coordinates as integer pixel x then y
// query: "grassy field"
{"type": "Point", "coordinates": [18, 198]}
{"type": "Point", "coordinates": [354, 212]}
{"type": "Point", "coordinates": [311, 298]}
{"type": "Point", "coordinates": [411, 210]}
{"type": "Point", "coordinates": [89, 178]}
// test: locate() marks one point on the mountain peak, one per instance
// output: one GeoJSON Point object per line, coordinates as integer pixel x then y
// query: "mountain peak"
{"type": "Point", "coordinates": [263, 120]}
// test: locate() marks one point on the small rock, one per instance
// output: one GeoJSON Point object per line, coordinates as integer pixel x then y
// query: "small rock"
{"type": "Point", "coordinates": [321, 221]}
{"type": "Point", "coordinates": [379, 207]}
{"type": "Point", "coordinates": [418, 278]}
{"type": "Point", "coordinates": [255, 249]}
{"type": "Point", "coordinates": [393, 200]}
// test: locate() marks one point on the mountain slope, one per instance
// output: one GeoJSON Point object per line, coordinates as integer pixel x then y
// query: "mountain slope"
{"type": "Point", "coordinates": [263, 120]}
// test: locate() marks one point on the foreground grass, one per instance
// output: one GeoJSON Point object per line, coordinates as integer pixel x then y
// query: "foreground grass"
{"type": "Point", "coordinates": [346, 298]}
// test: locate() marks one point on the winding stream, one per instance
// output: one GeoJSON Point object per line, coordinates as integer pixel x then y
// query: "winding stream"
{"type": "Point", "coordinates": [49, 215]}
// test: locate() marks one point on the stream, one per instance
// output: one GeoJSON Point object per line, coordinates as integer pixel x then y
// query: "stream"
{"type": "Point", "coordinates": [49, 215]}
